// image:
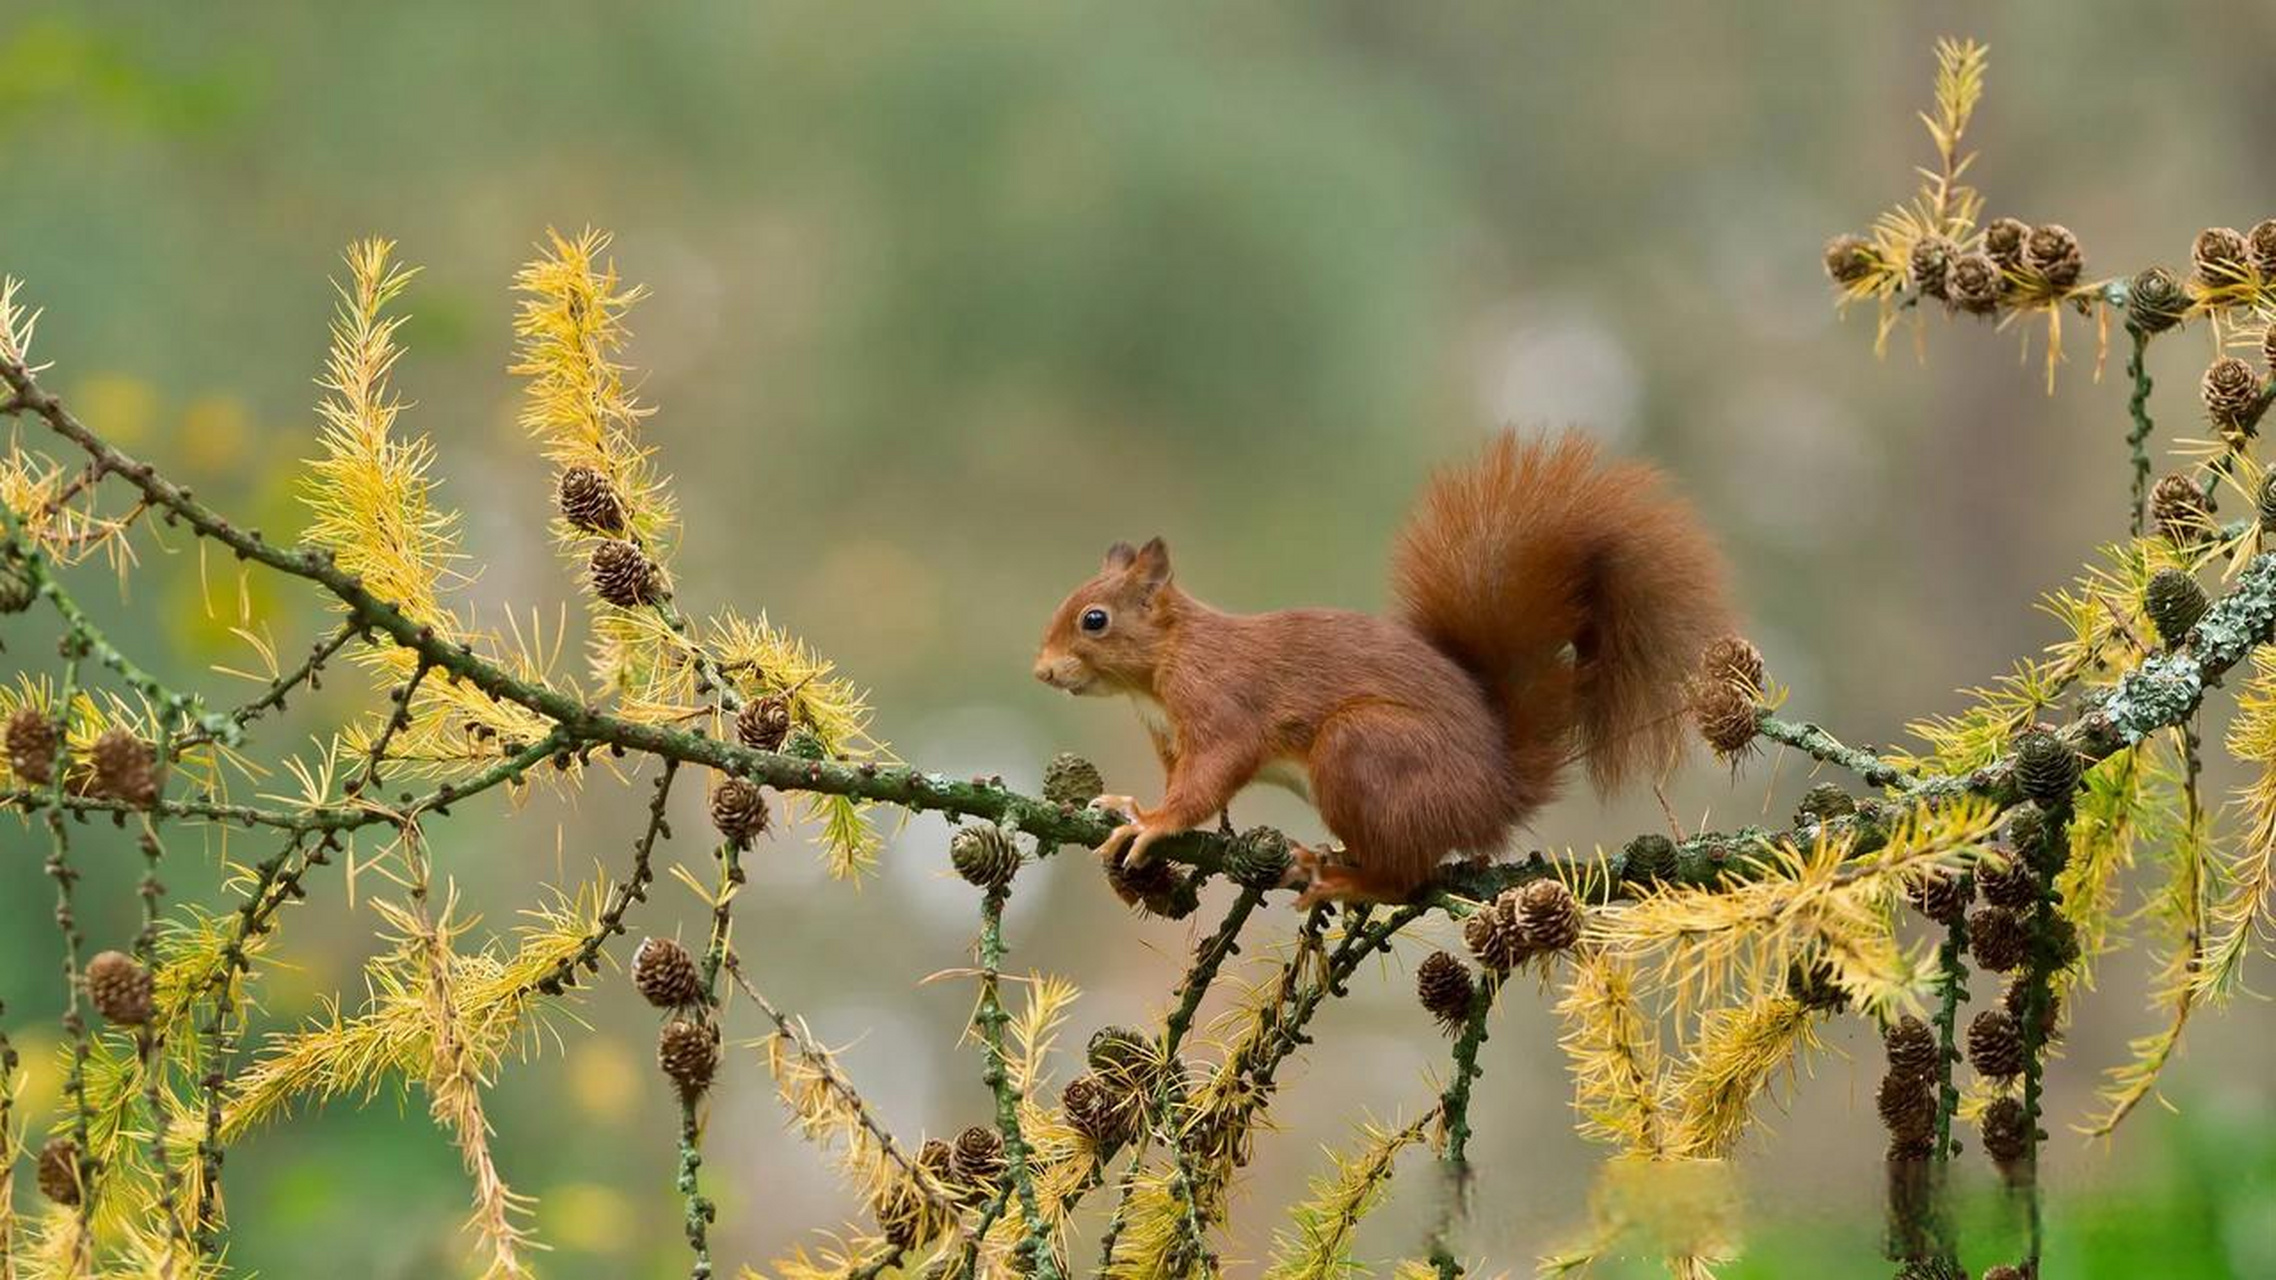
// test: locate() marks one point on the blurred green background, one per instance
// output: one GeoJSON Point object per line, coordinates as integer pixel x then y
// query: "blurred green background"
{"type": "Point", "coordinates": [948, 297]}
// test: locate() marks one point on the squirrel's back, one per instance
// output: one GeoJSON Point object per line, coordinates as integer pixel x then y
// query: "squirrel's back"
{"type": "Point", "coordinates": [1579, 592]}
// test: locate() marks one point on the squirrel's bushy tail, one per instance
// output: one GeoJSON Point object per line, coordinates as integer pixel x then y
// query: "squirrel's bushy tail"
{"type": "Point", "coordinates": [1580, 592]}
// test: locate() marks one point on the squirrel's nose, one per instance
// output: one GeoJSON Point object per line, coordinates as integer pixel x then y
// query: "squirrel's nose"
{"type": "Point", "coordinates": [1043, 671]}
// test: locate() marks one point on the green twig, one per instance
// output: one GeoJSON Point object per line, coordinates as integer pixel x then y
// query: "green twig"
{"type": "Point", "coordinates": [1820, 745]}
{"type": "Point", "coordinates": [1454, 1123]}
{"type": "Point", "coordinates": [2138, 407]}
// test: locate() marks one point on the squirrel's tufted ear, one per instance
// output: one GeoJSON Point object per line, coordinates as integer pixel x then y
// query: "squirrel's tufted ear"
{"type": "Point", "coordinates": [1119, 556]}
{"type": "Point", "coordinates": [1153, 562]}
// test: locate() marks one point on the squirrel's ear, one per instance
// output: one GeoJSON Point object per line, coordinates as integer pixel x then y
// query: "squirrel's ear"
{"type": "Point", "coordinates": [1153, 562]}
{"type": "Point", "coordinates": [1120, 556]}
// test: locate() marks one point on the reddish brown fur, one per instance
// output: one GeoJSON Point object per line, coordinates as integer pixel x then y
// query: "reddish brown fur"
{"type": "Point", "coordinates": [1551, 609]}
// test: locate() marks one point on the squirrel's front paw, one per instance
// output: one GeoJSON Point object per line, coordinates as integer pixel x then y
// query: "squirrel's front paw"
{"type": "Point", "coordinates": [1119, 837]}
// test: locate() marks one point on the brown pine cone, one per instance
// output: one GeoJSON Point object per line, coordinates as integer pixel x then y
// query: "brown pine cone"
{"type": "Point", "coordinates": [1816, 985]}
{"type": "Point", "coordinates": [2006, 1130]}
{"type": "Point", "coordinates": [2012, 885]}
{"type": "Point", "coordinates": [623, 575]}
{"type": "Point", "coordinates": [1850, 259]}
{"type": "Point", "coordinates": [1975, 283]}
{"type": "Point", "coordinates": [1494, 935]}
{"type": "Point", "coordinates": [1998, 939]}
{"type": "Point", "coordinates": [665, 974]}
{"type": "Point", "coordinates": [1122, 1056]}
{"type": "Point", "coordinates": [31, 740]}
{"type": "Point", "coordinates": [2003, 242]}
{"type": "Point", "coordinates": [1095, 1111]}
{"type": "Point", "coordinates": [1995, 1045]}
{"type": "Point", "coordinates": [1071, 780]}
{"type": "Point", "coordinates": [763, 722]}
{"type": "Point", "coordinates": [738, 810]}
{"type": "Point", "coordinates": [1733, 660]}
{"type": "Point", "coordinates": [125, 768]}
{"type": "Point", "coordinates": [2050, 1018]}
{"type": "Point", "coordinates": [1907, 1104]}
{"type": "Point", "coordinates": [984, 855]}
{"type": "Point", "coordinates": [689, 1053]}
{"type": "Point", "coordinates": [1549, 915]}
{"type": "Point", "coordinates": [59, 1170]}
{"type": "Point", "coordinates": [2231, 392]}
{"type": "Point", "coordinates": [1443, 985]}
{"type": "Point", "coordinates": [2260, 248]}
{"type": "Point", "coordinates": [979, 1156]}
{"type": "Point", "coordinates": [2052, 251]}
{"type": "Point", "coordinates": [1726, 719]}
{"type": "Point", "coordinates": [1930, 261]}
{"type": "Point", "coordinates": [2178, 506]}
{"type": "Point", "coordinates": [120, 988]}
{"type": "Point", "coordinates": [1906, 1149]}
{"type": "Point", "coordinates": [1940, 899]}
{"type": "Point", "coordinates": [2221, 257]}
{"type": "Point", "coordinates": [1911, 1047]}
{"type": "Point", "coordinates": [589, 501]}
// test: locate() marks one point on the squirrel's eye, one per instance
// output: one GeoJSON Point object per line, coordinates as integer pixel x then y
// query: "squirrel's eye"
{"type": "Point", "coordinates": [1094, 620]}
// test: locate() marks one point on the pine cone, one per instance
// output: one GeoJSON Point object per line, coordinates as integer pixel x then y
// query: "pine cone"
{"type": "Point", "coordinates": [2046, 768]}
{"type": "Point", "coordinates": [1822, 803]}
{"type": "Point", "coordinates": [1259, 858]}
{"type": "Point", "coordinates": [1997, 939]}
{"type": "Point", "coordinates": [1900, 1151]}
{"type": "Point", "coordinates": [2017, 996]}
{"type": "Point", "coordinates": [1907, 1104]}
{"type": "Point", "coordinates": [2174, 602]}
{"type": "Point", "coordinates": [1940, 898]}
{"type": "Point", "coordinates": [763, 722]}
{"type": "Point", "coordinates": [31, 746]}
{"type": "Point", "coordinates": [806, 744]}
{"type": "Point", "coordinates": [2222, 257]}
{"type": "Point", "coordinates": [1975, 284]}
{"type": "Point", "coordinates": [1815, 985]}
{"type": "Point", "coordinates": [2178, 506]}
{"type": "Point", "coordinates": [1648, 857]}
{"type": "Point", "coordinates": [738, 810]}
{"type": "Point", "coordinates": [624, 576]}
{"type": "Point", "coordinates": [59, 1170]}
{"type": "Point", "coordinates": [2268, 346]}
{"type": "Point", "coordinates": [2027, 828]}
{"type": "Point", "coordinates": [1443, 985]}
{"type": "Point", "coordinates": [125, 768]}
{"type": "Point", "coordinates": [1911, 1048]}
{"type": "Point", "coordinates": [689, 1053]}
{"type": "Point", "coordinates": [589, 501]}
{"type": "Point", "coordinates": [1734, 661]}
{"type": "Point", "coordinates": [1096, 1111]}
{"type": "Point", "coordinates": [901, 1216]}
{"type": "Point", "coordinates": [2231, 392]}
{"type": "Point", "coordinates": [665, 974]}
{"type": "Point", "coordinates": [120, 988]}
{"type": "Point", "coordinates": [1549, 915]}
{"type": "Point", "coordinates": [1850, 259]}
{"type": "Point", "coordinates": [984, 855]}
{"type": "Point", "coordinates": [2052, 251]}
{"type": "Point", "coordinates": [1123, 1057]}
{"type": "Point", "coordinates": [1494, 935]}
{"type": "Point", "coordinates": [2006, 1130]}
{"type": "Point", "coordinates": [16, 589]}
{"type": "Point", "coordinates": [2003, 242]}
{"type": "Point", "coordinates": [937, 1158]}
{"type": "Point", "coordinates": [1931, 259]}
{"type": "Point", "coordinates": [1726, 719]}
{"type": "Point", "coordinates": [2011, 884]}
{"type": "Point", "coordinates": [1071, 780]}
{"type": "Point", "coordinates": [2260, 248]}
{"type": "Point", "coordinates": [978, 1157]}
{"type": "Point", "coordinates": [1153, 886]}
{"type": "Point", "coordinates": [1995, 1045]}
{"type": "Point", "coordinates": [2155, 301]}
{"type": "Point", "coordinates": [2267, 503]}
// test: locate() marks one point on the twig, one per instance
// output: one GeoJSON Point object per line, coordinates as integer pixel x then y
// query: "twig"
{"type": "Point", "coordinates": [1454, 1122]}
{"type": "Point", "coordinates": [2138, 408]}
{"type": "Point", "coordinates": [1820, 745]}
{"type": "Point", "coordinates": [990, 1019]}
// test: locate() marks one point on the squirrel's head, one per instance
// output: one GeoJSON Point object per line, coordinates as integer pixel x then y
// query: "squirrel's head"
{"type": "Point", "coordinates": [1104, 637]}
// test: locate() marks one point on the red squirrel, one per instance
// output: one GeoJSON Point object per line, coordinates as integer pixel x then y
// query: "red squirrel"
{"type": "Point", "coordinates": [1550, 606]}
